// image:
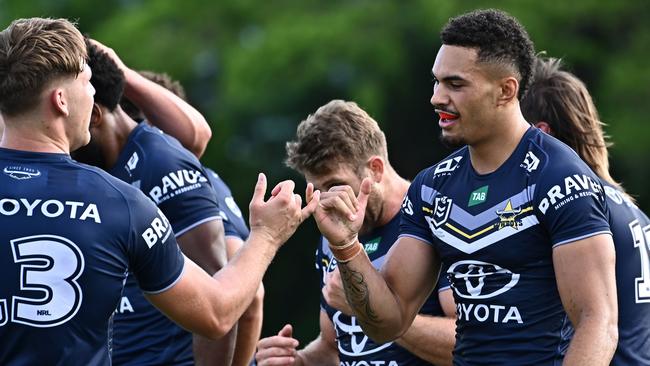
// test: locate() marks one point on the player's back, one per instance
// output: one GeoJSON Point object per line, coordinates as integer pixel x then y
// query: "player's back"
{"type": "Point", "coordinates": [631, 231]}
{"type": "Point", "coordinates": [69, 233]}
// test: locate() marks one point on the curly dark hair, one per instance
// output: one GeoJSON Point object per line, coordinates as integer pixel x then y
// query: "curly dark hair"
{"type": "Point", "coordinates": [499, 38]}
{"type": "Point", "coordinates": [107, 79]}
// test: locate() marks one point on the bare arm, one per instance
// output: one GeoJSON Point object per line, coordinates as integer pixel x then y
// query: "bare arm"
{"type": "Point", "coordinates": [432, 338]}
{"type": "Point", "coordinates": [250, 324]}
{"type": "Point", "coordinates": [205, 245]}
{"type": "Point", "coordinates": [164, 109]}
{"type": "Point", "coordinates": [585, 276]}
{"type": "Point", "coordinates": [210, 306]}
{"type": "Point", "coordinates": [384, 304]}
{"type": "Point", "coordinates": [280, 350]}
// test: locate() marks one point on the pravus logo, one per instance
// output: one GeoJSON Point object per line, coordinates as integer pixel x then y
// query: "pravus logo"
{"type": "Point", "coordinates": [175, 183]}
{"type": "Point", "coordinates": [480, 280]}
{"type": "Point", "coordinates": [359, 344]}
{"type": "Point", "coordinates": [441, 210]}
{"type": "Point", "coordinates": [575, 186]}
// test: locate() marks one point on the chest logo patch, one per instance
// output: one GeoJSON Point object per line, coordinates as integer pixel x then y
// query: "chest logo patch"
{"type": "Point", "coordinates": [508, 217]}
{"type": "Point", "coordinates": [478, 196]}
{"type": "Point", "coordinates": [441, 210]}
{"type": "Point", "coordinates": [371, 246]}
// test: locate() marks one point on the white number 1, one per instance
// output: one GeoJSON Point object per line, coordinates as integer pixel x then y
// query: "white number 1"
{"type": "Point", "coordinates": [641, 237]}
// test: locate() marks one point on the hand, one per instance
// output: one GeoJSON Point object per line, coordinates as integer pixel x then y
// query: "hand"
{"type": "Point", "coordinates": [279, 350]}
{"type": "Point", "coordinates": [111, 53]}
{"type": "Point", "coordinates": [340, 214]}
{"type": "Point", "coordinates": [334, 294]}
{"type": "Point", "coordinates": [279, 217]}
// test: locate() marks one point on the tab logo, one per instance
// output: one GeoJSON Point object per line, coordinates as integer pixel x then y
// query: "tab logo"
{"type": "Point", "coordinates": [371, 246]}
{"type": "Point", "coordinates": [478, 196]}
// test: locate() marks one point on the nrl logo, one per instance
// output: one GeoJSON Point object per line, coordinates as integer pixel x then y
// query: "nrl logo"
{"type": "Point", "coordinates": [508, 217]}
{"type": "Point", "coordinates": [21, 173]}
{"type": "Point", "coordinates": [441, 211]}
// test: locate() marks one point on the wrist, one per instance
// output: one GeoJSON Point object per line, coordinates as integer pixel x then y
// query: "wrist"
{"type": "Point", "coordinates": [347, 251]}
{"type": "Point", "coordinates": [265, 242]}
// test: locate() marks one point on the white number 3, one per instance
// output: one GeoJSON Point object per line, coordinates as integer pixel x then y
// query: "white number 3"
{"type": "Point", "coordinates": [50, 265]}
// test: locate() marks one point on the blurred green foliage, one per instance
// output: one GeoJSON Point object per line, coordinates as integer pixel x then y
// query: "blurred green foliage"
{"type": "Point", "coordinates": [256, 69]}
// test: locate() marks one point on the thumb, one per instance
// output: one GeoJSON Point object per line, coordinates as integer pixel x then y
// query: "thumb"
{"type": "Point", "coordinates": [287, 331]}
{"type": "Point", "coordinates": [364, 193]}
{"type": "Point", "coordinates": [260, 189]}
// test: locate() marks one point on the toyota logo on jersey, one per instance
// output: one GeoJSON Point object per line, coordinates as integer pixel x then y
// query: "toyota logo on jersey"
{"type": "Point", "coordinates": [359, 344]}
{"type": "Point", "coordinates": [480, 280]}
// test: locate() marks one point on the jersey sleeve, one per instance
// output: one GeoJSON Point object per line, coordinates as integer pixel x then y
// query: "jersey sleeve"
{"type": "Point", "coordinates": [323, 264]}
{"type": "Point", "coordinates": [413, 221]}
{"type": "Point", "coordinates": [154, 256]}
{"type": "Point", "coordinates": [180, 187]}
{"type": "Point", "coordinates": [570, 202]}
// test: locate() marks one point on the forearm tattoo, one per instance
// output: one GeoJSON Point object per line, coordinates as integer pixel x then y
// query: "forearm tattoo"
{"type": "Point", "coordinates": [356, 291]}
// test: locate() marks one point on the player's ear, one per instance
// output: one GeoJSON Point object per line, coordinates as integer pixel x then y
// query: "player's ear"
{"type": "Point", "coordinates": [96, 116]}
{"type": "Point", "coordinates": [509, 87]}
{"type": "Point", "coordinates": [377, 166]}
{"type": "Point", "coordinates": [59, 101]}
{"type": "Point", "coordinates": [545, 127]}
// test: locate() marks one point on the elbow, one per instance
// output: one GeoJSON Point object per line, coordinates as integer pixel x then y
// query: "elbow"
{"type": "Point", "coordinates": [202, 136]}
{"type": "Point", "coordinates": [612, 331]}
{"type": "Point", "coordinates": [217, 329]}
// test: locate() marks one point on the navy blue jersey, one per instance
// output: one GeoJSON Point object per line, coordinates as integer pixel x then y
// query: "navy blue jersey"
{"type": "Point", "coordinates": [495, 233]}
{"type": "Point", "coordinates": [174, 179]}
{"type": "Point", "coordinates": [233, 221]}
{"type": "Point", "coordinates": [631, 230]}
{"type": "Point", "coordinates": [356, 348]}
{"type": "Point", "coordinates": [69, 233]}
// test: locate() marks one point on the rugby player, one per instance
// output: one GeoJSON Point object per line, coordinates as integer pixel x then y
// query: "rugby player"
{"type": "Point", "coordinates": [340, 144]}
{"type": "Point", "coordinates": [174, 179]}
{"type": "Point", "coordinates": [559, 104]}
{"type": "Point", "coordinates": [520, 222]}
{"type": "Point", "coordinates": [249, 326]}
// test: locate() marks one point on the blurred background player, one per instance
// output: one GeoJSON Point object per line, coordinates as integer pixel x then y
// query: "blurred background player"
{"type": "Point", "coordinates": [559, 104]}
{"type": "Point", "coordinates": [174, 179]}
{"type": "Point", "coordinates": [236, 231]}
{"type": "Point", "coordinates": [340, 144]}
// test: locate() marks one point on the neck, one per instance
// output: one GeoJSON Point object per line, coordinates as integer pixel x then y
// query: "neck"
{"type": "Point", "coordinates": [121, 129]}
{"type": "Point", "coordinates": [489, 154]}
{"type": "Point", "coordinates": [33, 133]}
{"type": "Point", "coordinates": [394, 191]}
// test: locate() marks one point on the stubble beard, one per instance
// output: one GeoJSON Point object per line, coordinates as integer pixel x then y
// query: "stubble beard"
{"type": "Point", "coordinates": [451, 142]}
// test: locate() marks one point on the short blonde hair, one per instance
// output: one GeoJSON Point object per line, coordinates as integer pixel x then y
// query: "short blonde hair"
{"type": "Point", "coordinates": [33, 52]}
{"type": "Point", "coordinates": [338, 133]}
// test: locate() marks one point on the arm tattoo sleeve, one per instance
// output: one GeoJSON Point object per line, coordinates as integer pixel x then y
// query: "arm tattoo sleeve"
{"type": "Point", "coordinates": [356, 291]}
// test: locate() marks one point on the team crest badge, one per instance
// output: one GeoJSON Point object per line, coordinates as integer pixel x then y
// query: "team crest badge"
{"type": "Point", "coordinates": [441, 211]}
{"type": "Point", "coordinates": [508, 217]}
